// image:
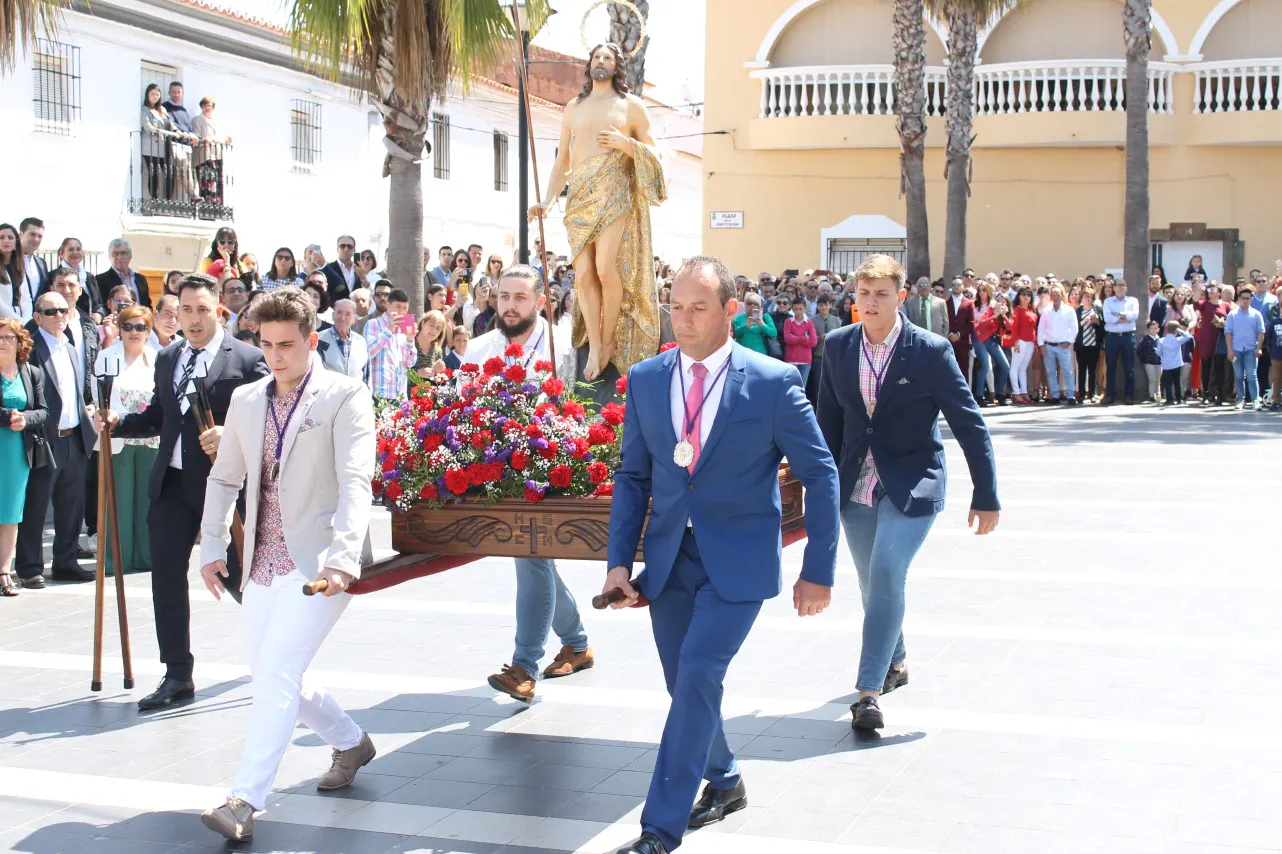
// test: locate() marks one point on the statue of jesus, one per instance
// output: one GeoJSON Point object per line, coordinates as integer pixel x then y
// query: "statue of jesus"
{"type": "Point", "coordinates": [608, 157]}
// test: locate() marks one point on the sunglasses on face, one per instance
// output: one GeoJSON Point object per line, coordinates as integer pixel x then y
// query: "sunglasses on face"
{"type": "Point", "coordinates": [383, 294]}
{"type": "Point", "coordinates": [53, 312]}
{"type": "Point", "coordinates": [284, 257]}
{"type": "Point", "coordinates": [123, 304]}
{"type": "Point", "coordinates": [133, 327]}
{"type": "Point", "coordinates": [233, 290]}
{"type": "Point", "coordinates": [347, 246]}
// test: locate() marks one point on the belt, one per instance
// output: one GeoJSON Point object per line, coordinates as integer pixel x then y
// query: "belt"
{"type": "Point", "coordinates": [1120, 333]}
{"type": "Point", "coordinates": [1059, 343]}
{"type": "Point", "coordinates": [70, 431]}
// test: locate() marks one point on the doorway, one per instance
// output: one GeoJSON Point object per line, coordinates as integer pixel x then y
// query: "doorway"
{"type": "Point", "coordinates": [1174, 257]}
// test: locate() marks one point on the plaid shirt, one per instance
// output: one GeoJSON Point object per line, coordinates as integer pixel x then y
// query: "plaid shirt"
{"type": "Point", "coordinates": [391, 354]}
{"type": "Point", "coordinates": [873, 359]}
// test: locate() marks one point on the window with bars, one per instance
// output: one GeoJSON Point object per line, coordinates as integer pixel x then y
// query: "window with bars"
{"type": "Point", "coordinates": [55, 95]}
{"type": "Point", "coordinates": [500, 161]}
{"type": "Point", "coordinates": [305, 133]}
{"type": "Point", "coordinates": [160, 74]}
{"type": "Point", "coordinates": [441, 146]}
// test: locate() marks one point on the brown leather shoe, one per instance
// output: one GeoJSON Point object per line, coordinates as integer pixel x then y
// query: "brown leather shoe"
{"type": "Point", "coordinates": [515, 682]}
{"type": "Point", "coordinates": [345, 765]}
{"type": "Point", "coordinates": [234, 820]}
{"type": "Point", "coordinates": [568, 661]}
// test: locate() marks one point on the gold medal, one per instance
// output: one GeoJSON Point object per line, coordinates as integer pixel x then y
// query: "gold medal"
{"type": "Point", "coordinates": [683, 454]}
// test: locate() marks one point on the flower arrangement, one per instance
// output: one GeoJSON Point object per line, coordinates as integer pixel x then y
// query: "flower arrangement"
{"type": "Point", "coordinates": [496, 431]}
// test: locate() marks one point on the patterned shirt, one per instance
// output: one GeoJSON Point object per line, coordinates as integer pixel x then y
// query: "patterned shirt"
{"type": "Point", "coordinates": [271, 557]}
{"type": "Point", "coordinates": [391, 355]}
{"type": "Point", "coordinates": [873, 359]}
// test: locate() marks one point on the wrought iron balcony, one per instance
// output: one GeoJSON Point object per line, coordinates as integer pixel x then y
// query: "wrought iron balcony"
{"type": "Point", "coordinates": [168, 178]}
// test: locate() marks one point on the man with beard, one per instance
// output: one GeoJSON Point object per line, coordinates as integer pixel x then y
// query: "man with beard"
{"type": "Point", "coordinates": [543, 601]}
{"type": "Point", "coordinates": [607, 157]}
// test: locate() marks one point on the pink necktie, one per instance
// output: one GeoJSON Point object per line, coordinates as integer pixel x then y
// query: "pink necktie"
{"type": "Point", "coordinates": [694, 403]}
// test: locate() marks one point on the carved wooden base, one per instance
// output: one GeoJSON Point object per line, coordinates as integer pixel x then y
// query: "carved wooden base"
{"type": "Point", "coordinates": [557, 527]}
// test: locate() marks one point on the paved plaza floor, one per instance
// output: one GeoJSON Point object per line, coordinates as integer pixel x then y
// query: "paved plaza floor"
{"type": "Point", "coordinates": [1103, 674]}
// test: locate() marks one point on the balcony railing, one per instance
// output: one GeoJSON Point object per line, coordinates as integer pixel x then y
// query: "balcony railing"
{"type": "Point", "coordinates": [167, 178]}
{"type": "Point", "coordinates": [1023, 87]}
{"type": "Point", "coordinates": [1238, 86]}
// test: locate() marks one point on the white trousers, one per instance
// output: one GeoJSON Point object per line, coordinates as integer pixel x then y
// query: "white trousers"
{"type": "Point", "coordinates": [1021, 358]}
{"type": "Point", "coordinates": [283, 631]}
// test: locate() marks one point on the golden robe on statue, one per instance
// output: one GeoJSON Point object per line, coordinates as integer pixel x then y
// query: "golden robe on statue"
{"type": "Point", "coordinates": [602, 189]}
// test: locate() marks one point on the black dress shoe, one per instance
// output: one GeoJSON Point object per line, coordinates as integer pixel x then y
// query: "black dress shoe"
{"type": "Point", "coordinates": [169, 693]}
{"type": "Point", "coordinates": [647, 844]}
{"type": "Point", "coordinates": [716, 804]}
{"type": "Point", "coordinates": [35, 582]}
{"type": "Point", "coordinates": [76, 575]}
{"type": "Point", "coordinates": [895, 679]}
{"type": "Point", "coordinates": [867, 714]}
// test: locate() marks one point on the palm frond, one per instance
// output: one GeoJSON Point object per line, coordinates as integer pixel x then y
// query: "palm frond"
{"type": "Point", "coordinates": [985, 11]}
{"type": "Point", "coordinates": [21, 23]}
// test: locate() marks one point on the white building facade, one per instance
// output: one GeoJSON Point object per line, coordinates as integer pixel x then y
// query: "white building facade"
{"type": "Point", "coordinates": [305, 161]}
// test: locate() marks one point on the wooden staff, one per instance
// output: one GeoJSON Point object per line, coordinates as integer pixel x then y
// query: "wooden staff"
{"type": "Point", "coordinates": [118, 563]}
{"type": "Point", "coordinates": [109, 528]}
{"type": "Point", "coordinates": [205, 417]}
{"type": "Point", "coordinates": [523, 71]}
{"type": "Point", "coordinates": [100, 570]}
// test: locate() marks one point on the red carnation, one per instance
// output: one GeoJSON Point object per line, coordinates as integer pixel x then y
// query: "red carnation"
{"type": "Point", "coordinates": [457, 481]}
{"type": "Point", "coordinates": [493, 471]}
{"type": "Point", "coordinates": [604, 490]}
{"type": "Point", "coordinates": [515, 373]}
{"type": "Point", "coordinates": [393, 490]}
{"type": "Point", "coordinates": [549, 452]}
{"type": "Point", "coordinates": [476, 474]}
{"type": "Point", "coordinates": [377, 485]}
{"type": "Point", "coordinates": [520, 460]}
{"type": "Point", "coordinates": [560, 476]}
{"type": "Point", "coordinates": [612, 414]}
{"type": "Point", "coordinates": [543, 366]}
{"type": "Point", "coordinates": [572, 408]}
{"type": "Point", "coordinates": [553, 386]}
{"type": "Point", "coordinates": [514, 351]}
{"type": "Point", "coordinates": [534, 431]}
{"type": "Point", "coordinates": [598, 472]}
{"type": "Point", "coordinates": [493, 366]}
{"type": "Point", "coordinates": [577, 447]}
{"type": "Point", "coordinates": [669, 346]}
{"type": "Point", "coordinates": [432, 441]}
{"type": "Point", "coordinates": [470, 368]}
{"type": "Point", "coordinates": [478, 418]}
{"type": "Point", "coordinates": [427, 492]}
{"type": "Point", "coordinates": [391, 462]}
{"type": "Point", "coordinates": [480, 440]}
{"type": "Point", "coordinates": [601, 434]}
{"type": "Point", "coordinates": [532, 495]}
{"type": "Point", "coordinates": [543, 409]}
{"type": "Point", "coordinates": [621, 385]}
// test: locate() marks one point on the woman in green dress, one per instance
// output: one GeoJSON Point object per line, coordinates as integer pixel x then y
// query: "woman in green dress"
{"type": "Point", "coordinates": [22, 418]}
{"type": "Point", "coordinates": [754, 327]}
{"type": "Point", "coordinates": [133, 360]}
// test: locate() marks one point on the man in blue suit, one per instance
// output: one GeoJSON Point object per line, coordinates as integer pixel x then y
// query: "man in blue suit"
{"type": "Point", "coordinates": [884, 384]}
{"type": "Point", "coordinates": [705, 430]}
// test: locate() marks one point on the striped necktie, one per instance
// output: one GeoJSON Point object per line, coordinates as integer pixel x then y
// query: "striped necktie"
{"type": "Point", "coordinates": [188, 369]}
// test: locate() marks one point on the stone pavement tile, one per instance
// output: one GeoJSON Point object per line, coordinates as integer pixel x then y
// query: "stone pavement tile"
{"type": "Point", "coordinates": [1032, 815]}
{"type": "Point", "coordinates": [270, 837]}
{"type": "Point", "coordinates": [366, 787]}
{"type": "Point", "coordinates": [109, 845]}
{"type": "Point", "coordinates": [39, 840]}
{"type": "Point", "coordinates": [983, 839]}
{"type": "Point", "coordinates": [1115, 821]}
{"type": "Point", "coordinates": [1207, 829]}
{"type": "Point", "coordinates": [437, 845]}
{"type": "Point", "coordinates": [799, 824]}
{"type": "Point", "coordinates": [522, 800]}
{"type": "Point", "coordinates": [916, 806]}
{"type": "Point", "coordinates": [444, 744]}
{"type": "Point", "coordinates": [1030, 787]}
{"type": "Point", "coordinates": [310, 810]}
{"type": "Point", "coordinates": [558, 834]}
{"type": "Point", "coordinates": [447, 794]}
{"type": "Point", "coordinates": [84, 819]}
{"type": "Point", "coordinates": [15, 812]}
{"type": "Point", "coordinates": [633, 783]}
{"type": "Point", "coordinates": [178, 828]}
{"type": "Point", "coordinates": [895, 833]}
{"type": "Point", "coordinates": [827, 731]}
{"type": "Point", "coordinates": [572, 778]}
{"type": "Point", "coordinates": [784, 749]}
{"type": "Point", "coordinates": [401, 763]}
{"type": "Point", "coordinates": [341, 840]}
{"type": "Point", "coordinates": [384, 817]}
{"type": "Point", "coordinates": [467, 769]}
{"type": "Point", "coordinates": [597, 806]}
{"type": "Point", "coordinates": [483, 826]}
{"type": "Point", "coordinates": [836, 798]}
{"type": "Point", "coordinates": [1078, 843]}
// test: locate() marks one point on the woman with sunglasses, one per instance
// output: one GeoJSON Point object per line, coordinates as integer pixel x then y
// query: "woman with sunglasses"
{"type": "Point", "coordinates": [283, 272]}
{"type": "Point", "coordinates": [493, 270]}
{"type": "Point", "coordinates": [133, 360]}
{"type": "Point", "coordinates": [22, 418]}
{"type": "Point", "coordinates": [224, 248]}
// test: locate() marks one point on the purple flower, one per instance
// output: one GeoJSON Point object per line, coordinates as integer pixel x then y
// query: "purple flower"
{"type": "Point", "coordinates": [539, 443]}
{"type": "Point", "coordinates": [393, 474]}
{"type": "Point", "coordinates": [530, 389]}
{"type": "Point", "coordinates": [540, 488]}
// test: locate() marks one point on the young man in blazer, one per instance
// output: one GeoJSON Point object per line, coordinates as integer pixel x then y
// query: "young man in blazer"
{"type": "Point", "coordinates": [885, 383]}
{"type": "Point", "coordinates": [300, 443]}
{"type": "Point", "coordinates": [705, 429]}
{"type": "Point", "coordinates": [961, 322]}
{"type": "Point", "coordinates": [177, 485]}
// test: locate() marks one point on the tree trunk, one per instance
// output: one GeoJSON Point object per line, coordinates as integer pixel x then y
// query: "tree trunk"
{"type": "Point", "coordinates": [625, 31]}
{"type": "Point", "coordinates": [1138, 34]}
{"type": "Point", "coordinates": [910, 107]}
{"type": "Point", "coordinates": [963, 38]}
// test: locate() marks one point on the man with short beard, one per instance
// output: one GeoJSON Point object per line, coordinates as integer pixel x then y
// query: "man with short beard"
{"type": "Point", "coordinates": [543, 601]}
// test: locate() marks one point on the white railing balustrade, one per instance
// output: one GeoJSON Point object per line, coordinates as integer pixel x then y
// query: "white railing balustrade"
{"type": "Point", "coordinates": [1238, 86]}
{"type": "Point", "coordinates": [1020, 87]}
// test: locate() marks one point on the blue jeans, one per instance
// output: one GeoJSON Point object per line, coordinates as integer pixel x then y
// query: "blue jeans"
{"type": "Point", "coordinates": [1244, 375]}
{"type": "Point", "coordinates": [883, 542]}
{"type": "Point", "coordinates": [1122, 345]}
{"type": "Point", "coordinates": [805, 373]}
{"type": "Point", "coordinates": [990, 353]}
{"type": "Point", "coordinates": [543, 602]}
{"type": "Point", "coordinates": [1059, 362]}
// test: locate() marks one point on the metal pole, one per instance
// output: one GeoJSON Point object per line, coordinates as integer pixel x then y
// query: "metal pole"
{"type": "Point", "coordinates": [523, 155]}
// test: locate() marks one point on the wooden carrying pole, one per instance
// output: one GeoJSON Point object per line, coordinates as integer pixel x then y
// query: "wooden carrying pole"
{"type": "Point", "coordinates": [523, 72]}
{"type": "Point", "coordinates": [118, 563]}
{"type": "Point", "coordinates": [205, 416]}
{"type": "Point", "coordinates": [100, 570]}
{"type": "Point", "coordinates": [109, 529]}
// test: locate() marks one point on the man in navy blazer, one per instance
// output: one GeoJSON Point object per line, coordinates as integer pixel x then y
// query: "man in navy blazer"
{"type": "Point", "coordinates": [705, 462]}
{"type": "Point", "coordinates": [884, 384]}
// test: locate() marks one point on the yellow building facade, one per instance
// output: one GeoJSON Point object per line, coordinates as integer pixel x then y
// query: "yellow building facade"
{"type": "Point", "coordinates": [808, 173]}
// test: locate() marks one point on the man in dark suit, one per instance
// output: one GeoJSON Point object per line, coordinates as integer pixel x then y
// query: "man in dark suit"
{"type": "Point", "coordinates": [119, 273]}
{"type": "Point", "coordinates": [70, 437]}
{"type": "Point", "coordinates": [35, 272]}
{"type": "Point", "coordinates": [340, 274]}
{"type": "Point", "coordinates": [1156, 303]}
{"type": "Point", "coordinates": [705, 429]}
{"type": "Point", "coordinates": [177, 486]}
{"type": "Point", "coordinates": [961, 322]}
{"type": "Point", "coordinates": [881, 421]}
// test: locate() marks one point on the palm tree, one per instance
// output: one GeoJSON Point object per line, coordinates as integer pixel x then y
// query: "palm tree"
{"type": "Point", "coordinates": [625, 31]}
{"type": "Point", "coordinates": [406, 54]}
{"type": "Point", "coordinates": [1137, 25]}
{"type": "Point", "coordinates": [910, 123]}
{"type": "Point", "coordinates": [21, 23]}
{"type": "Point", "coordinates": [964, 18]}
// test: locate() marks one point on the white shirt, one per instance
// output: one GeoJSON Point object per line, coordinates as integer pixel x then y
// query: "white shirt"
{"type": "Point", "coordinates": [77, 333]}
{"type": "Point", "coordinates": [67, 376]}
{"type": "Point", "coordinates": [711, 404]}
{"type": "Point", "coordinates": [23, 312]}
{"type": "Point", "coordinates": [349, 275]}
{"type": "Point", "coordinates": [33, 276]}
{"type": "Point", "coordinates": [203, 362]}
{"type": "Point", "coordinates": [494, 342]}
{"type": "Point", "coordinates": [1128, 308]}
{"type": "Point", "coordinates": [956, 298]}
{"type": "Point", "coordinates": [1057, 326]}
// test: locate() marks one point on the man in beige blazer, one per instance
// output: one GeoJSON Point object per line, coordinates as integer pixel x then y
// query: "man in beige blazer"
{"type": "Point", "coordinates": [925, 310]}
{"type": "Point", "coordinates": [301, 443]}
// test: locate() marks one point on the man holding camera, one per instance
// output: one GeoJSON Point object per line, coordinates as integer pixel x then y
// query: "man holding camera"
{"type": "Point", "coordinates": [390, 341]}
